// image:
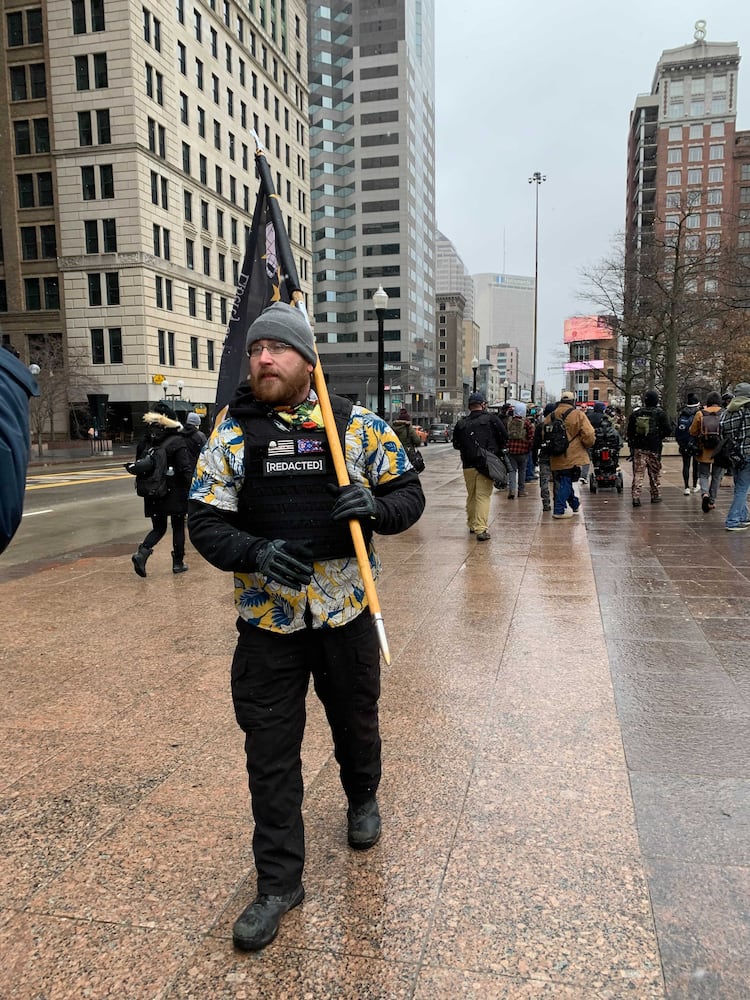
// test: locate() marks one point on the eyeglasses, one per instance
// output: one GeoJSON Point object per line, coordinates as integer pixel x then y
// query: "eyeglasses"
{"type": "Point", "coordinates": [274, 347]}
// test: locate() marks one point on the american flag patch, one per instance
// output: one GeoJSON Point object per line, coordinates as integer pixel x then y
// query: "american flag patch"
{"type": "Point", "coordinates": [285, 447]}
{"type": "Point", "coordinates": [309, 446]}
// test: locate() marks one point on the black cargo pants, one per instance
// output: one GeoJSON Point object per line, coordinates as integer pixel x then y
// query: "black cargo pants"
{"type": "Point", "coordinates": [270, 678]}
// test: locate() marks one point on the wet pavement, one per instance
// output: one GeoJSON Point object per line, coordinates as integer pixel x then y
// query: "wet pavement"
{"type": "Point", "coordinates": [566, 792]}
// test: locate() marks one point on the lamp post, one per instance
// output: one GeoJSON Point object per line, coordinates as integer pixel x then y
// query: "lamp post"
{"type": "Point", "coordinates": [165, 387]}
{"type": "Point", "coordinates": [506, 386]}
{"type": "Point", "coordinates": [380, 303]}
{"type": "Point", "coordinates": [474, 366]}
{"type": "Point", "coordinates": [537, 179]}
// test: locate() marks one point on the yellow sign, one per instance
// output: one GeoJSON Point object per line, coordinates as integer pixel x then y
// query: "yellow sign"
{"type": "Point", "coordinates": [157, 379]}
{"type": "Point", "coordinates": [200, 409]}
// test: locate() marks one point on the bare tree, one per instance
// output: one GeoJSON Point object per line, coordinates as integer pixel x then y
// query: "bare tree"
{"type": "Point", "coordinates": [63, 380]}
{"type": "Point", "coordinates": [679, 301]}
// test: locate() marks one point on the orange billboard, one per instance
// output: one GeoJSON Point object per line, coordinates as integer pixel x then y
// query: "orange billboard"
{"type": "Point", "coordinates": [587, 328]}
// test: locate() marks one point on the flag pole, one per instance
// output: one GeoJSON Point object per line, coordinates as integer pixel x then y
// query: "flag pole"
{"type": "Point", "coordinates": [289, 273]}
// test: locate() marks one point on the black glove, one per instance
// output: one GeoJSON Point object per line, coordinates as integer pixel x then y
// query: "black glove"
{"type": "Point", "coordinates": [285, 562]}
{"type": "Point", "coordinates": [352, 502]}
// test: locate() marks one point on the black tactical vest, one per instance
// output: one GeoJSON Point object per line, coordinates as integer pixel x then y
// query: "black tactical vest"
{"type": "Point", "coordinates": [284, 494]}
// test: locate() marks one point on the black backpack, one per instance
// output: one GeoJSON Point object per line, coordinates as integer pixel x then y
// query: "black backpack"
{"type": "Point", "coordinates": [150, 470]}
{"type": "Point", "coordinates": [555, 436]}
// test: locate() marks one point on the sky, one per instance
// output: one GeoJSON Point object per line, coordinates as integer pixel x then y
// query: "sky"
{"type": "Point", "coordinates": [549, 86]}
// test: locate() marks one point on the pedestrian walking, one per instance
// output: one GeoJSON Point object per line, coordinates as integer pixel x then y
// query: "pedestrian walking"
{"type": "Point", "coordinates": [163, 469]}
{"type": "Point", "coordinates": [541, 457]}
{"type": "Point", "coordinates": [705, 431]}
{"type": "Point", "coordinates": [265, 506]}
{"type": "Point", "coordinates": [520, 440]}
{"type": "Point", "coordinates": [405, 431]}
{"type": "Point", "coordinates": [573, 426]}
{"type": "Point", "coordinates": [479, 429]}
{"type": "Point", "coordinates": [194, 436]}
{"type": "Point", "coordinates": [687, 444]}
{"type": "Point", "coordinates": [735, 429]}
{"type": "Point", "coordinates": [647, 428]}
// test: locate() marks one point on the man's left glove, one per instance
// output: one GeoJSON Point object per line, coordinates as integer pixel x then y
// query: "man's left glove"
{"type": "Point", "coordinates": [353, 502]}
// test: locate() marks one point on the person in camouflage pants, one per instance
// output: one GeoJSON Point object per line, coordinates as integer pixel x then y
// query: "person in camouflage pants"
{"type": "Point", "coordinates": [647, 428]}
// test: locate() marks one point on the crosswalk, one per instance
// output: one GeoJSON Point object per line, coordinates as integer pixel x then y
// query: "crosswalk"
{"type": "Point", "coordinates": [50, 480]}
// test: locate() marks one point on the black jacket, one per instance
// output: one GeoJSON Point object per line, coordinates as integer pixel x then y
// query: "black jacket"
{"type": "Point", "coordinates": [164, 431]}
{"type": "Point", "coordinates": [661, 428]}
{"type": "Point", "coordinates": [194, 439]}
{"type": "Point", "coordinates": [481, 428]}
{"type": "Point", "coordinates": [228, 544]}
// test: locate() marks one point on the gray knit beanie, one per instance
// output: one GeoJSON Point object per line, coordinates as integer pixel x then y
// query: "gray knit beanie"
{"type": "Point", "coordinates": [286, 324]}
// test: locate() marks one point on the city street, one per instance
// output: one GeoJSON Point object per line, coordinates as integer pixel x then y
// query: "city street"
{"type": "Point", "coordinates": [73, 508]}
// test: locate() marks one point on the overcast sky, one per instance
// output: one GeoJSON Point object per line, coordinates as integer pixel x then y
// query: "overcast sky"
{"type": "Point", "coordinates": [549, 86]}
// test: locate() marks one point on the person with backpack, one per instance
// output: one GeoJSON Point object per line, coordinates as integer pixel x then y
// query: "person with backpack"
{"type": "Point", "coordinates": [520, 440]}
{"type": "Point", "coordinates": [568, 435]}
{"type": "Point", "coordinates": [647, 428]}
{"type": "Point", "coordinates": [410, 440]}
{"type": "Point", "coordinates": [163, 469]}
{"type": "Point", "coordinates": [735, 430]}
{"type": "Point", "coordinates": [705, 431]}
{"type": "Point", "coordinates": [686, 442]}
{"type": "Point", "coordinates": [541, 456]}
{"type": "Point", "coordinates": [481, 429]}
{"type": "Point", "coordinates": [265, 506]}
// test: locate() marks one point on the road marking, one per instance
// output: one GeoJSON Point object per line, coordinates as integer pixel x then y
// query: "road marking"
{"type": "Point", "coordinates": [37, 483]}
{"type": "Point", "coordinates": [31, 513]}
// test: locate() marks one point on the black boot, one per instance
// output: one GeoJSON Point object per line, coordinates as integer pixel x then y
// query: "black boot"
{"type": "Point", "coordinates": [258, 924]}
{"type": "Point", "coordinates": [139, 559]}
{"type": "Point", "coordinates": [178, 566]}
{"type": "Point", "coordinates": [364, 824]}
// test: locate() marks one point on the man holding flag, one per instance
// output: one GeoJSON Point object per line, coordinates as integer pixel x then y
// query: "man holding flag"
{"type": "Point", "coordinates": [266, 506]}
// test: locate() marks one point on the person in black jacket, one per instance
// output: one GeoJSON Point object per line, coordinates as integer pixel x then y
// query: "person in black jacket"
{"type": "Point", "coordinates": [647, 428]}
{"type": "Point", "coordinates": [480, 429]}
{"type": "Point", "coordinates": [265, 506]}
{"type": "Point", "coordinates": [16, 386]}
{"type": "Point", "coordinates": [165, 431]}
{"type": "Point", "coordinates": [194, 436]}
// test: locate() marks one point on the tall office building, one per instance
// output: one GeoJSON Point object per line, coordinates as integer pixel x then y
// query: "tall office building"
{"type": "Point", "coordinates": [129, 182]}
{"type": "Point", "coordinates": [504, 310]}
{"type": "Point", "coordinates": [372, 185]}
{"type": "Point", "coordinates": [452, 278]}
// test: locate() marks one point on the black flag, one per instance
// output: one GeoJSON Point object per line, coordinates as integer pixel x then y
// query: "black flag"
{"type": "Point", "coordinates": [259, 285]}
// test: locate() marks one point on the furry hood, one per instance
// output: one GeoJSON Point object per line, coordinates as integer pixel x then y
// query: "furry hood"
{"type": "Point", "coordinates": [161, 420]}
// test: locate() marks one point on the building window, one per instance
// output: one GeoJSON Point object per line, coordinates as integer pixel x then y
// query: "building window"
{"type": "Point", "coordinates": [674, 178]}
{"type": "Point", "coordinates": [694, 175]}
{"type": "Point", "coordinates": [696, 132]}
{"type": "Point", "coordinates": [187, 201]}
{"type": "Point", "coordinates": [717, 130]}
{"type": "Point", "coordinates": [713, 220]}
{"type": "Point", "coordinates": [191, 301]}
{"type": "Point", "coordinates": [674, 155]}
{"type": "Point", "coordinates": [97, 346]}
{"type": "Point", "coordinates": [695, 154]}
{"type": "Point", "coordinates": [715, 196]}
{"type": "Point", "coordinates": [190, 254]}
{"type": "Point", "coordinates": [209, 306]}
{"type": "Point", "coordinates": [210, 355]}
{"type": "Point", "coordinates": [716, 152]}
{"type": "Point", "coordinates": [713, 241]}
{"type": "Point", "coordinates": [675, 133]}
{"type": "Point", "coordinates": [715, 175]}
{"type": "Point", "coordinates": [115, 345]}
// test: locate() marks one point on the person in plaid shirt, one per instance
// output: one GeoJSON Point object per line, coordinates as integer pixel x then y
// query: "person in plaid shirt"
{"type": "Point", "coordinates": [520, 440]}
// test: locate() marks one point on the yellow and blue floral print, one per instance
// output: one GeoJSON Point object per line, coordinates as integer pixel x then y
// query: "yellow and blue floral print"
{"type": "Point", "coordinates": [336, 594]}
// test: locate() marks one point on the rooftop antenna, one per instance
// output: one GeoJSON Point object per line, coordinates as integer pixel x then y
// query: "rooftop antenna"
{"type": "Point", "coordinates": [503, 249]}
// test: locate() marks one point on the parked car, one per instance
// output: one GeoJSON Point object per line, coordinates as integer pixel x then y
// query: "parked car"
{"type": "Point", "coordinates": [423, 435]}
{"type": "Point", "coordinates": [439, 432]}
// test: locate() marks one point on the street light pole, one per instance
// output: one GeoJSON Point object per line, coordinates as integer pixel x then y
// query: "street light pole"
{"type": "Point", "coordinates": [380, 303]}
{"type": "Point", "coordinates": [474, 366]}
{"type": "Point", "coordinates": [505, 390]}
{"type": "Point", "coordinates": [537, 179]}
